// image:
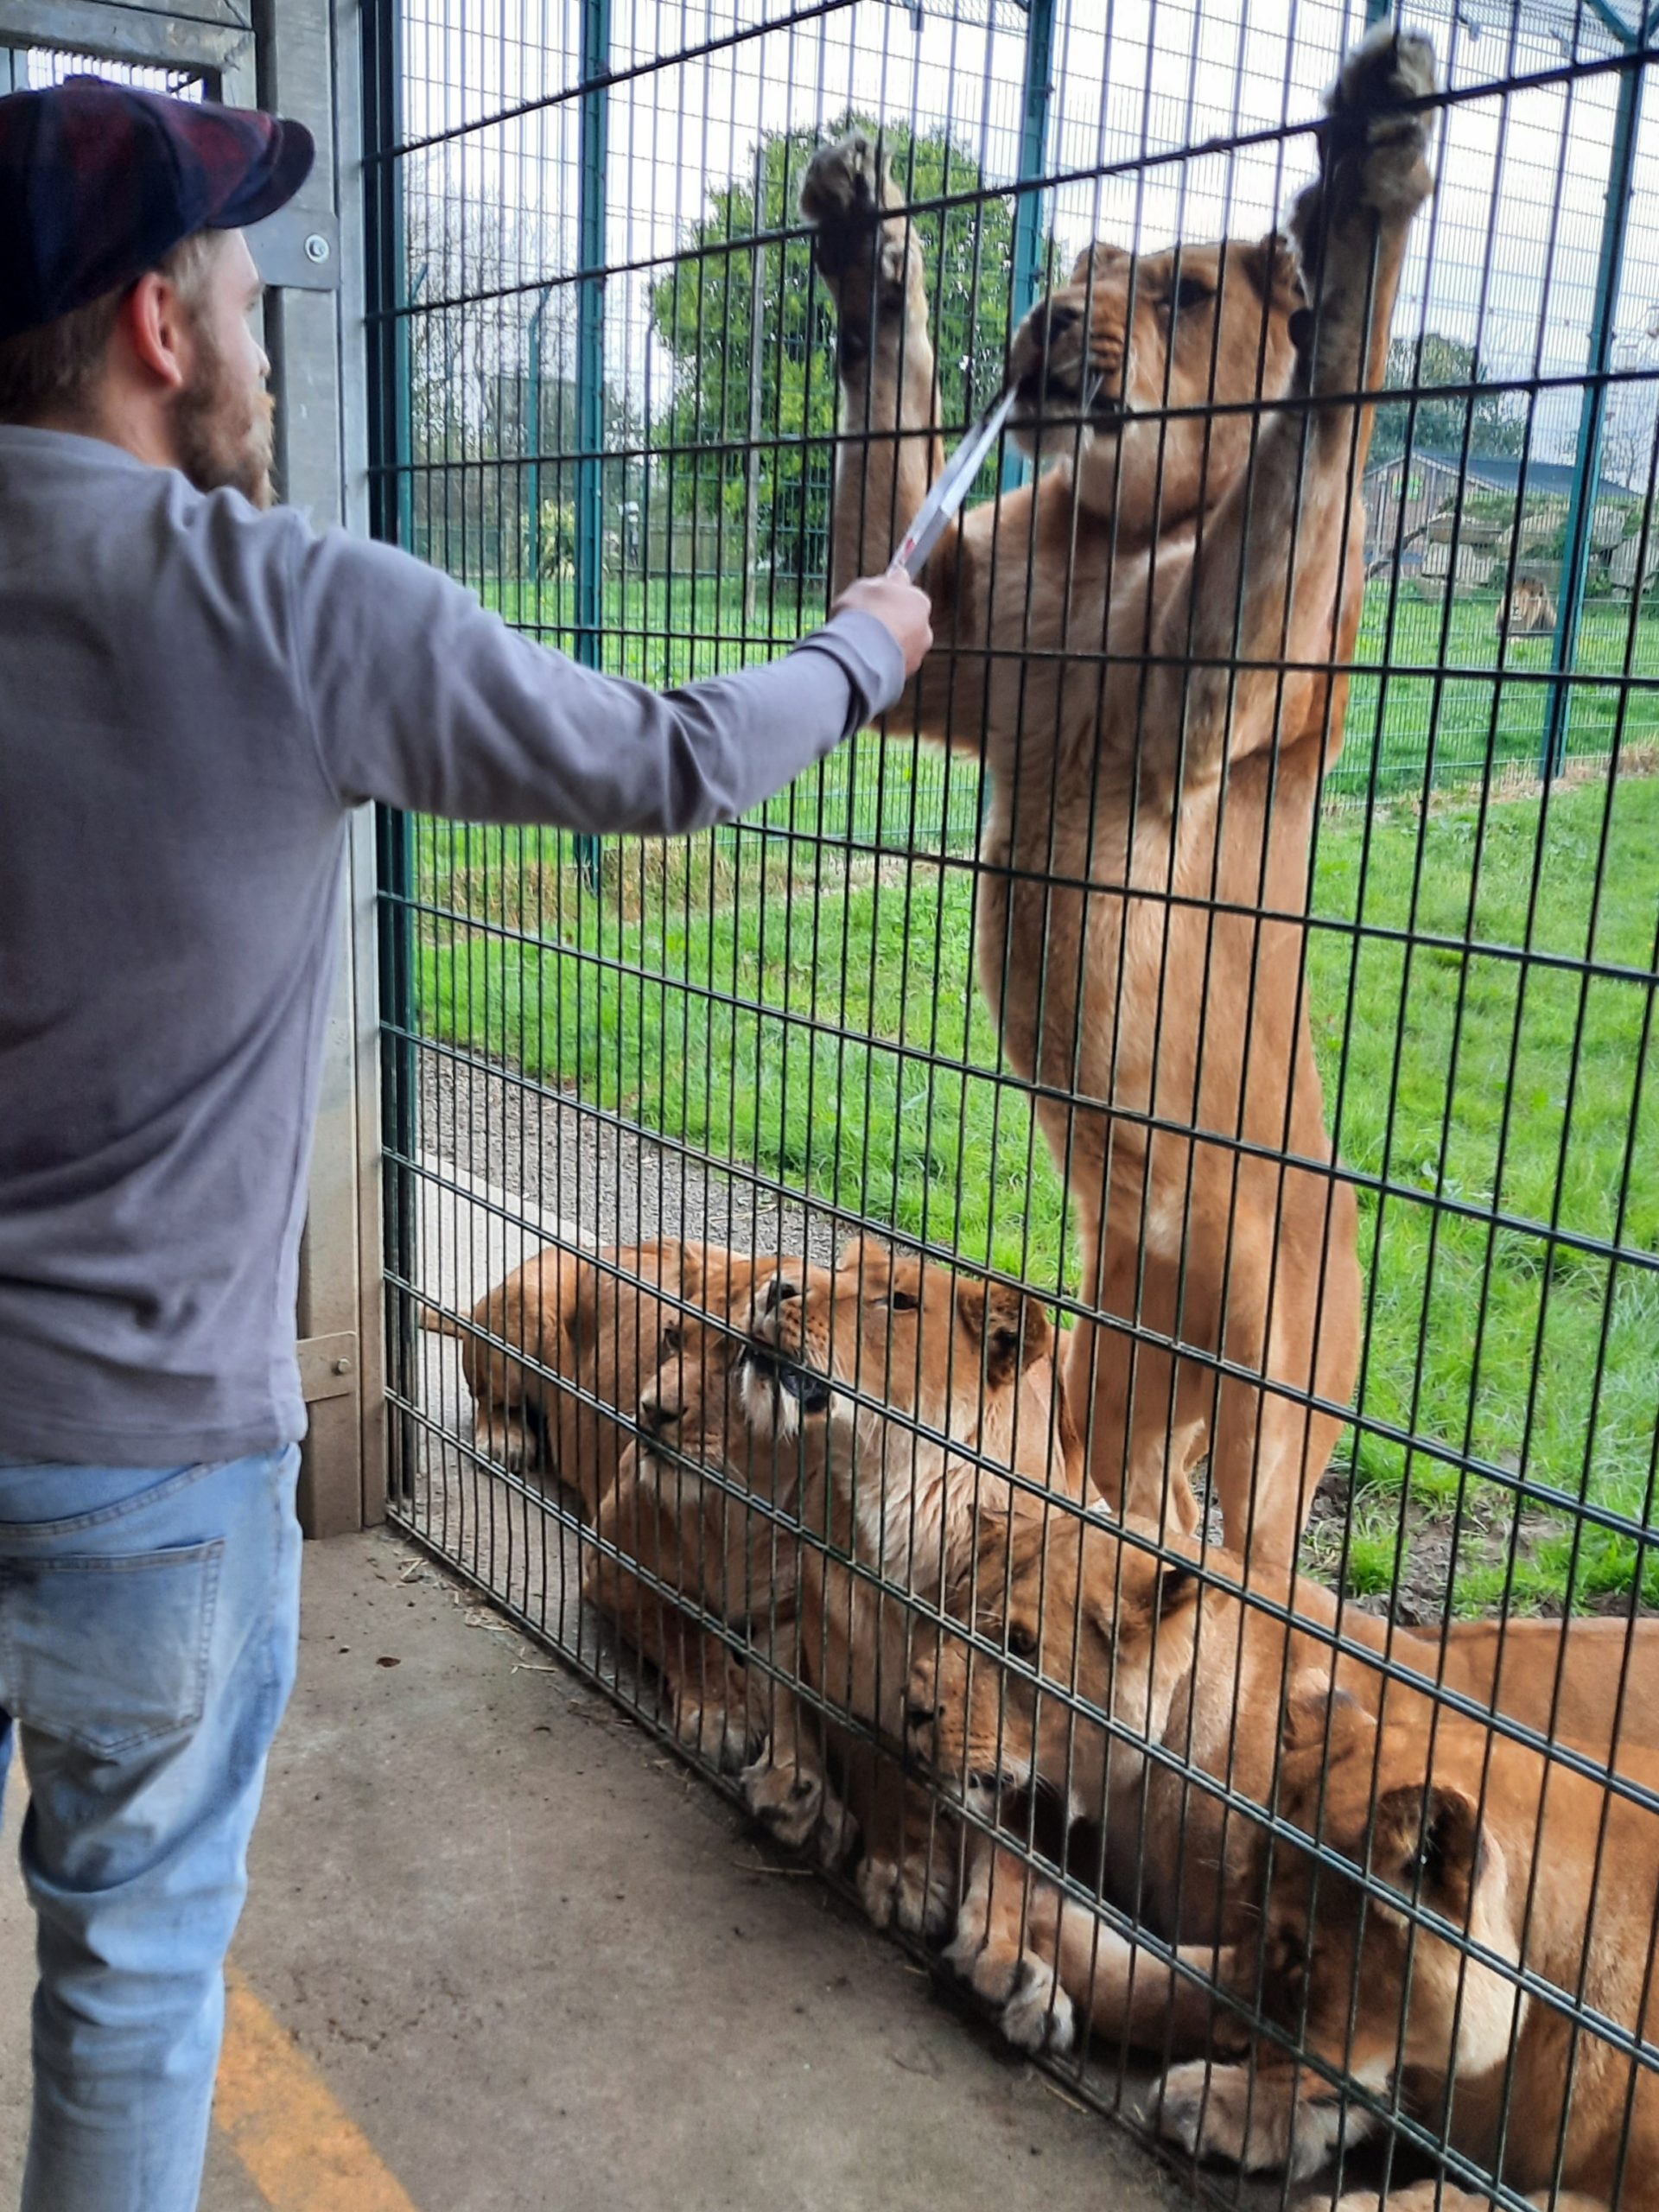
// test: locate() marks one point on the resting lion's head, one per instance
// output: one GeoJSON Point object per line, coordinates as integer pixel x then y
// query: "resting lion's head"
{"type": "Point", "coordinates": [1081, 1615]}
{"type": "Point", "coordinates": [963, 1358]}
{"type": "Point", "coordinates": [692, 1408]}
{"type": "Point", "coordinates": [1403, 1801]}
{"type": "Point", "coordinates": [1155, 344]}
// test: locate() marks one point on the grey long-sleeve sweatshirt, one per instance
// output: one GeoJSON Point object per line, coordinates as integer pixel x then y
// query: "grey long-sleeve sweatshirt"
{"type": "Point", "coordinates": [192, 698]}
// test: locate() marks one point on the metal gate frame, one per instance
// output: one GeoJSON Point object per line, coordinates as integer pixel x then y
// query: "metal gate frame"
{"type": "Point", "coordinates": [294, 56]}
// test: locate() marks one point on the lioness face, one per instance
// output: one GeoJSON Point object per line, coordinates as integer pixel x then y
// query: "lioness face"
{"type": "Point", "coordinates": [1408, 1810]}
{"type": "Point", "coordinates": [1076, 1610]}
{"type": "Point", "coordinates": [931, 1341]}
{"type": "Point", "coordinates": [692, 1408]}
{"type": "Point", "coordinates": [1153, 343]}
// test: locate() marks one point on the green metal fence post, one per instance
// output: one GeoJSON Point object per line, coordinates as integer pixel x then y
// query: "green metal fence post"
{"type": "Point", "coordinates": [1028, 208]}
{"type": "Point", "coordinates": [590, 359]}
{"type": "Point", "coordinates": [533, 431]}
{"type": "Point", "coordinates": [1587, 467]}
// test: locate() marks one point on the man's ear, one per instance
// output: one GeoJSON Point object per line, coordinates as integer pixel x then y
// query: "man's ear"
{"type": "Point", "coordinates": [155, 330]}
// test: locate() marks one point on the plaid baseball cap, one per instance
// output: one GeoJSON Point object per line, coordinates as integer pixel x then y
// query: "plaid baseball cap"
{"type": "Point", "coordinates": [99, 181]}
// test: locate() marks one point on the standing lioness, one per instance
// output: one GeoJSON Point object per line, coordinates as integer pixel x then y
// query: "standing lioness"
{"type": "Point", "coordinates": [1141, 648]}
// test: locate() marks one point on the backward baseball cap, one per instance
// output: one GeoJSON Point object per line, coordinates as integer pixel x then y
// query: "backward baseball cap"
{"type": "Point", "coordinates": [99, 181]}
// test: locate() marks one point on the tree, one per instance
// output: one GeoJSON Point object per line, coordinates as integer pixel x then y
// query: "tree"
{"type": "Point", "coordinates": [1496, 421]}
{"type": "Point", "coordinates": [1631, 422]}
{"type": "Point", "coordinates": [492, 395]}
{"type": "Point", "coordinates": [747, 434]}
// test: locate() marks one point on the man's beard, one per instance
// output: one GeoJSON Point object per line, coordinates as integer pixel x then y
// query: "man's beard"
{"type": "Point", "coordinates": [223, 432]}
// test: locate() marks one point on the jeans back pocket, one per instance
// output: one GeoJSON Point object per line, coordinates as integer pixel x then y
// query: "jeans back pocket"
{"type": "Point", "coordinates": [108, 1653]}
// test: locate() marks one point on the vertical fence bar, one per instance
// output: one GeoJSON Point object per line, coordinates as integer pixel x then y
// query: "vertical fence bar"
{"type": "Point", "coordinates": [757, 324]}
{"type": "Point", "coordinates": [590, 359]}
{"type": "Point", "coordinates": [1587, 467]}
{"type": "Point", "coordinates": [1036, 92]}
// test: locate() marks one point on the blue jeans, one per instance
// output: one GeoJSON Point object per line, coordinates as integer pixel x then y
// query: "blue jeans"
{"type": "Point", "coordinates": [149, 1625]}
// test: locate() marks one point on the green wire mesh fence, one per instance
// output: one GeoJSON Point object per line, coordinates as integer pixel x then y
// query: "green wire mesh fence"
{"type": "Point", "coordinates": [1215, 1029]}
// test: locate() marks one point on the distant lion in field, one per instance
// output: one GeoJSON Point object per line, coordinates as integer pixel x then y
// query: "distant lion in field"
{"type": "Point", "coordinates": [1528, 610]}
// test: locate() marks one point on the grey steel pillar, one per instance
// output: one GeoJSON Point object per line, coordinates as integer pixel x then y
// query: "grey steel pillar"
{"type": "Point", "coordinates": [313, 260]}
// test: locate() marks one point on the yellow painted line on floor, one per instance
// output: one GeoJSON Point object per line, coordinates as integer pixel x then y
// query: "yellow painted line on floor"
{"type": "Point", "coordinates": [302, 2152]}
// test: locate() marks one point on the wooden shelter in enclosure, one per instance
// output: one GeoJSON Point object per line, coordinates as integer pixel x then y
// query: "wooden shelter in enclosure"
{"type": "Point", "coordinates": [1441, 516]}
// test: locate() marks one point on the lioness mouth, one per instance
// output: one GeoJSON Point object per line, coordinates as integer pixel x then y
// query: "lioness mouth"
{"type": "Point", "coordinates": [991, 1781]}
{"type": "Point", "coordinates": [1062, 394]}
{"type": "Point", "coordinates": [810, 1391]}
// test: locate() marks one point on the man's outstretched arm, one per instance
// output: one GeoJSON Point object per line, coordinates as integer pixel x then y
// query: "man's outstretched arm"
{"type": "Point", "coordinates": [420, 698]}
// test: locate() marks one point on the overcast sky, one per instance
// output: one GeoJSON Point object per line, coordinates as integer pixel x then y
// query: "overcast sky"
{"type": "Point", "coordinates": [1506, 258]}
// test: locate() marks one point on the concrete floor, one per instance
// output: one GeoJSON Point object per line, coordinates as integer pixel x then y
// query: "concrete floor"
{"type": "Point", "coordinates": [539, 1964]}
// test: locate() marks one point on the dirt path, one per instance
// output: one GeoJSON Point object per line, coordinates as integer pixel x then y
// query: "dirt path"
{"type": "Point", "coordinates": [570, 1162]}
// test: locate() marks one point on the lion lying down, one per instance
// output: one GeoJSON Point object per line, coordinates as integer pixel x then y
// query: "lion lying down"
{"type": "Point", "coordinates": [679, 1511]}
{"type": "Point", "coordinates": [584, 1343]}
{"type": "Point", "coordinates": [1188, 1657]}
{"type": "Point", "coordinates": [1550, 1871]}
{"type": "Point", "coordinates": [873, 1373]}
{"type": "Point", "coordinates": [587, 1322]}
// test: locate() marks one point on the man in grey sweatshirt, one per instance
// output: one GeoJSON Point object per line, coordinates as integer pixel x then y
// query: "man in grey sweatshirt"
{"type": "Point", "coordinates": [194, 691]}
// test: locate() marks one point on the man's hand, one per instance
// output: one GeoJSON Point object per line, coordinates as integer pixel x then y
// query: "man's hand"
{"type": "Point", "coordinates": [900, 606]}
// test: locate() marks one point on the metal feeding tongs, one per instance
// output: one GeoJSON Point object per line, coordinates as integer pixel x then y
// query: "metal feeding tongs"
{"type": "Point", "coordinates": [950, 487]}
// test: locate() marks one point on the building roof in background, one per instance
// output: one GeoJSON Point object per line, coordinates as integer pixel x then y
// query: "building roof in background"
{"type": "Point", "coordinates": [1502, 472]}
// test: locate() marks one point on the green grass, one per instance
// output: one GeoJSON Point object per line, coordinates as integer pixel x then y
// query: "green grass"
{"type": "Point", "coordinates": [1450, 727]}
{"type": "Point", "coordinates": [1517, 1090]}
{"type": "Point", "coordinates": [787, 1008]}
